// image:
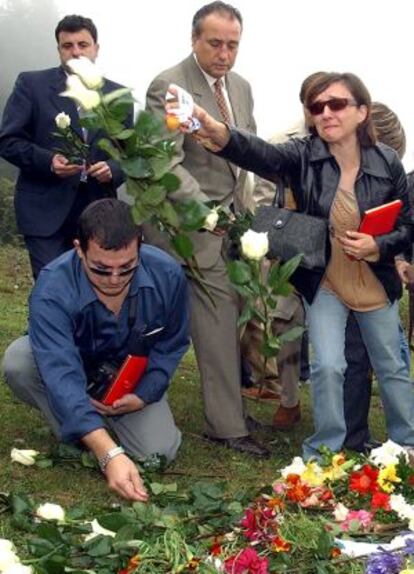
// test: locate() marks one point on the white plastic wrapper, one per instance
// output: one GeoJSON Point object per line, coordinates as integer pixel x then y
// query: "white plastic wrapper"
{"type": "Point", "coordinates": [184, 111]}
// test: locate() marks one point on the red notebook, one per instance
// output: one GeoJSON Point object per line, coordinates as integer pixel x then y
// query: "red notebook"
{"type": "Point", "coordinates": [126, 380]}
{"type": "Point", "coordinates": [381, 219]}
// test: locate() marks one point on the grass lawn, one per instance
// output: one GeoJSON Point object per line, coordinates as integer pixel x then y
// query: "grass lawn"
{"type": "Point", "coordinates": [22, 427]}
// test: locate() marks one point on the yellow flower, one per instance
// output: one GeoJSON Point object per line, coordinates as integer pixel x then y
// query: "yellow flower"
{"type": "Point", "coordinates": [387, 476]}
{"type": "Point", "coordinates": [313, 474]}
{"type": "Point", "coordinates": [336, 470]}
{"type": "Point", "coordinates": [407, 571]}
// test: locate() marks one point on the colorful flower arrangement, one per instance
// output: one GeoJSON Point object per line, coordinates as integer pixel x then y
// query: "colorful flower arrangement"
{"type": "Point", "coordinates": [334, 515]}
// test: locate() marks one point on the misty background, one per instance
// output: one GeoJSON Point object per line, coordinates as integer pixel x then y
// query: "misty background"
{"type": "Point", "coordinates": [282, 42]}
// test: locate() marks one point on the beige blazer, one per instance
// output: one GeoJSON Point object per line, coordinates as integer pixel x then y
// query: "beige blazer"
{"type": "Point", "coordinates": [203, 175]}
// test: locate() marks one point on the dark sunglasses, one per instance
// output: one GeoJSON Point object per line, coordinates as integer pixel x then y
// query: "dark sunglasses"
{"type": "Point", "coordinates": [108, 273]}
{"type": "Point", "coordinates": [334, 104]}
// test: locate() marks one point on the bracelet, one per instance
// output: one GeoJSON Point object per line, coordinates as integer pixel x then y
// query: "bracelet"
{"type": "Point", "coordinates": [112, 453]}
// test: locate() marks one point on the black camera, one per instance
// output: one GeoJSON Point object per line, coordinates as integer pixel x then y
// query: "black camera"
{"type": "Point", "coordinates": [100, 378]}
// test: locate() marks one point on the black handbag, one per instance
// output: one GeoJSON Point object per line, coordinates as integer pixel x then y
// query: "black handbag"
{"type": "Point", "coordinates": [292, 232]}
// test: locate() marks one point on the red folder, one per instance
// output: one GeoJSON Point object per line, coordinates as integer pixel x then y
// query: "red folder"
{"type": "Point", "coordinates": [126, 380]}
{"type": "Point", "coordinates": [381, 219]}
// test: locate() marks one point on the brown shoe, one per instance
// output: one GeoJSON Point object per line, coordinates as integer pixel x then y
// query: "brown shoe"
{"type": "Point", "coordinates": [260, 393]}
{"type": "Point", "coordinates": [285, 418]}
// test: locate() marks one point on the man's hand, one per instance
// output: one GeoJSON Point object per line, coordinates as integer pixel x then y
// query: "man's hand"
{"type": "Point", "coordinates": [123, 477]}
{"type": "Point", "coordinates": [359, 245]}
{"type": "Point", "coordinates": [62, 168]}
{"type": "Point", "coordinates": [100, 171]}
{"type": "Point", "coordinates": [126, 404]}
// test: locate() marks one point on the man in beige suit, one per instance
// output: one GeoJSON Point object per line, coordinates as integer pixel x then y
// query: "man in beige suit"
{"type": "Point", "coordinates": [216, 33]}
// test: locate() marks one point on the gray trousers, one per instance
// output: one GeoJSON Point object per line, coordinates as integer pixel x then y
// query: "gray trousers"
{"type": "Point", "coordinates": [141, 433]}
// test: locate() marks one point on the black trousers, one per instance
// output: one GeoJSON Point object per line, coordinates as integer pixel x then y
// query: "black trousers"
{"type": "Point", "coordinates": [357, 387]}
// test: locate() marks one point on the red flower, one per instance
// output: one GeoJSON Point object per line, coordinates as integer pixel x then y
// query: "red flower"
{"type": "Point", "coordinates": [246, 562]}
{"type": "Point", "coordinates": [380, 500]}
{"type": "Point", "coordinates": [364, 481]}
{"type": "Point", "coordinates": [335, 552]}
{"type": "Point", "coordinates": [411, 480]}
{"type": "Point", "coordinates": [281, 545]}
{"type": "Point", "coordinates": [215, 548]}
{"type": "Point", "coordinates": [297, 491]}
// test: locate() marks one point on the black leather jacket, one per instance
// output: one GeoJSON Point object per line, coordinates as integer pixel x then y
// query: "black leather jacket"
{"type": "Point", "coordinates": [313, 175]}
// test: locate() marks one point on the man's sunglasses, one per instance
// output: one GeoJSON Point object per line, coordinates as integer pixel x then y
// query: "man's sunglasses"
{"type": "Point", "coordinates": [108, 273]}
{"type": "Point", "coordinates": [334, 104]}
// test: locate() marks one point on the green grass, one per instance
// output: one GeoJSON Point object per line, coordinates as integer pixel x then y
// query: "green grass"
{"type": "Point", "coordinates": [22, 427]}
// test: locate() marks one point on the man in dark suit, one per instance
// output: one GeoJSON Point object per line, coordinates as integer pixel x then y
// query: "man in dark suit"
{"type": "Point", "coordinates": [216, 33]}
{"type": "Point", "coordinates": [51, 192]}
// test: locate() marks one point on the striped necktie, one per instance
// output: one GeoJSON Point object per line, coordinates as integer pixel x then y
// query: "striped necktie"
{"type": "Point", "coordinates": [221, 101]}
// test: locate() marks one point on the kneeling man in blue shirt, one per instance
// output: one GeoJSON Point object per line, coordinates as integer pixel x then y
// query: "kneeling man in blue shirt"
{"type": "Point", "coordinates": [104, 299]}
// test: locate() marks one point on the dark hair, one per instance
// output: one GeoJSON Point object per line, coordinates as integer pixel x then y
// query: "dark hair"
{"type": "Point", "coordinates": [75, 23]}
{"type": "Point", "coordinates": [365, 131]}
{"type": "Point", "coordinates": [220, 7]}
{"type": "Point", "coordinates": [109, 222]}
{"type": "Point", "coordinates": [306, 84]}
{"type": "Point", "coordinates": [388, 128]}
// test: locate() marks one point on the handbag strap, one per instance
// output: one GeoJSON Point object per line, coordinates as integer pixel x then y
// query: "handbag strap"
{"type": "Point", "coordinates": [279, 196]}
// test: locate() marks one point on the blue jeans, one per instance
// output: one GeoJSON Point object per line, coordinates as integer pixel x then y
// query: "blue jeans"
{"type": "Point", "coordinates": [327, 317]}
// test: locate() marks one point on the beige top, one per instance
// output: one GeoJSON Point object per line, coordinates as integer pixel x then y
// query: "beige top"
{"type": "Point", "coordinates": [351, 280]}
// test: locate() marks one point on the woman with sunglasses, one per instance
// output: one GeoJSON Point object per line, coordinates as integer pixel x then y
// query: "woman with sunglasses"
{"type": "Point", "coordinates": [338, 172]}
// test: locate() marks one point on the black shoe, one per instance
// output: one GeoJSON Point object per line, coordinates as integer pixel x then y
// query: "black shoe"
{"type": "Point", "coordinates": [253, 424]}
{"type": "Point", "coordinates": [244, 444]}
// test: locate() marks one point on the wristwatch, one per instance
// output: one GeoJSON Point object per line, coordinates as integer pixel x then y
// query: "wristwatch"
{"type": "Point", "coordinates": [109, 455]}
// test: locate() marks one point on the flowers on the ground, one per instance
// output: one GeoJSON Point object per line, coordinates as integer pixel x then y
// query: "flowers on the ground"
{"type": "Point", "coordinates": [254, 245]}
{"type": "Point", "coordinates": [97, 530]}
{"type": "Point", "coordinates": [27, 457]}
{"type": "Point", "coordinates": [50, 511]}
{"type": "Point", "coordinates": [8, 556]}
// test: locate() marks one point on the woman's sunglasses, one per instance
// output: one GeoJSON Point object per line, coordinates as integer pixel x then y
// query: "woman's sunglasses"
{"type": "Point", "coordinates": [334, 104]}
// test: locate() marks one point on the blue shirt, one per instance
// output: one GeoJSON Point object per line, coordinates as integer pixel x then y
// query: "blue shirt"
{"type": "Point", "coordinates": [69, 325]}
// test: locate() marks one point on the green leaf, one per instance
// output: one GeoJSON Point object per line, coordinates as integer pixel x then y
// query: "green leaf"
{"type": "Point", "coordinates": [116, 94]}
{"type": "Point", "coordinates": [125, 134]}
{"type": "Point", "coordinates": [136, 167]}
{"type": "Point", "coordinates": [109, 148]}
{"type": "Point", "coordinates": [153, 195]}
{"type": "Point", "coordinates": [148, 125]}
{"type": "Point", "coordinates": [168, 215]}
{"type": "Point", "coordinates": [182, 245]}
{"type": "Point", "coordinates": [20, 504]}
{"type": "Point", "coordinates": [44, 463]}
{"type": "Point", "coordinates": [291, 335]}
{"type": "Point", "coordinates": [49, 532]}
{"type": "Point", "coordinates": [269, 351]}
{"type": "Point", "coordinates": [99, 546]}
{"type": "Point", "coordinates": [170, 181]}
{"type": "Point", "coordinates": [140, 213]}
{"type": "Point", "coordinates": [192, 214]}
{"type": "Point", "coordinates": [239, 272]}
{"type": "Point", "coordinates": [113, 521]}
{"type": "Point", "coordinates": [40, 547]}
{"type": "Point", "coordinates": [160, 166]}
{"type": "Point", "coordinates": [288, 268]}
{"type": "Point", "coordinates": [246, 316]}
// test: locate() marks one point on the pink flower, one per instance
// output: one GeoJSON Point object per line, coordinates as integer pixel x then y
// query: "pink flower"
{"type": "Point", "coordinates": [362, 516]}
{"type": "Point", "coordinates": [246, 562]}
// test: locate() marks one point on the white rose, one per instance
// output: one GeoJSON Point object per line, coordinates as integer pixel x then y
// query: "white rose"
{"type": "Point", "coordinates": [87, 71]}
{"type": "Point", "coordinates": [62, 121]}
{"type": "Point", "coordinates": [98, 529]}
{"type": "Point", "coordinates": [254, 245]}
{"type": "Point", "coordinates": [7, 558]}
{"type": "Point", "coordinates": [340, 512]}
{"type": "Point", "coordinates": [297, 466]}
{"type": "Point", "coordinates": [50, 511]}
{"type": "Point", "coordinates": [17, 568]}
{"type": "Point", "coordinates": [75, 89]}
{"type": "Point", "coordinates": [211, 220]}
{"type": "Point", "coordinates": [388, 453]}
{"type": "Point", "coordinates": [24, 456]}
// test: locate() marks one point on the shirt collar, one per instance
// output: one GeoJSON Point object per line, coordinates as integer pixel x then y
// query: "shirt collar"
{"type": "Point", "coordinates": [210, 80]}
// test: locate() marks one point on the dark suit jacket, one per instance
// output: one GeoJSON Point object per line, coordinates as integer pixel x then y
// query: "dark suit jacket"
{"type": "Point", "coordinates": [43, 200]}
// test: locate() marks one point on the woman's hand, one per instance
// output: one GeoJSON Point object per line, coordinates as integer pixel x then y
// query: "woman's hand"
{"type": "Point", "coordinates": [212, 134]}
{"type": "Point", "coordinates": [360, 245]}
